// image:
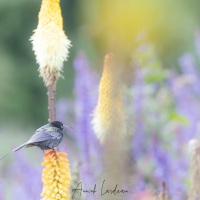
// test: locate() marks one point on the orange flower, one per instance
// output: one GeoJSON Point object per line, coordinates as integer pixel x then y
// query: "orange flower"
{"type": "Point", "coordinates": [56, 176]}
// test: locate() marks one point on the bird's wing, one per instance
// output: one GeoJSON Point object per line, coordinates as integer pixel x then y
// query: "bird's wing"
{"type": "Point", "coordinates": [45, 134]}
{"type": "Point", "coordinates": [55, 134]}
{"type": "Point", "coordinates": [42, 128]}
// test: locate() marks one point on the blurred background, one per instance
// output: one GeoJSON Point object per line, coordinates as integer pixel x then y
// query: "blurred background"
{"type": "Point", "coordinates": [158, 47]}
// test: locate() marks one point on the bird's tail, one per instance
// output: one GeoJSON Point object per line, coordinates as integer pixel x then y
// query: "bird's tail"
{"type": "Point", "coordinates": [14, 150]}
{"type": "Point", "coordinates": [5, 155]}
{"type": "Point", "coordinates": [19, 147]}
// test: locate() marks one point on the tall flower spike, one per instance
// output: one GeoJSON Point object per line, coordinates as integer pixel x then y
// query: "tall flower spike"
{"type": "Point", "coordinates": [50, 43]}
{"type": "Point", "coordinates": [109, 109]}
{"type": "Point", "coordinates": [110, 127]}
{"type": "Point", "coordinates": [56, 176]}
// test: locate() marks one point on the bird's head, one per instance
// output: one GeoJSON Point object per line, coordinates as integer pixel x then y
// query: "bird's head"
{"type": "Point", "coordinates": [59, 125]}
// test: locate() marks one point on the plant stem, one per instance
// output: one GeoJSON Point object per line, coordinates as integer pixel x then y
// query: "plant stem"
{"type": "Point", "coordinates": [51, 101]}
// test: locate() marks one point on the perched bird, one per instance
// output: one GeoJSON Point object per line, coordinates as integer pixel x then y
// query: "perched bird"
{"type": "Point", "coordinates": [46, 137]}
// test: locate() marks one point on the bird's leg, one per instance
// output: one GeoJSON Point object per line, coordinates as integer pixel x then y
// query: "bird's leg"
{"type": "Point", "coordinates": [55, 154]}
{"type": "Point", "coordinates": [54, 149]}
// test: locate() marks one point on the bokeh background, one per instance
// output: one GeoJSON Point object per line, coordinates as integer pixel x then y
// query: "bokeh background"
{"type": "Point", "coordinates": [158, 47]}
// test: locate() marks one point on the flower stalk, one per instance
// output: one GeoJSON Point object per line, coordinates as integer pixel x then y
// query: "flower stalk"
{"type": "Point", "coordinates": [51, 102]}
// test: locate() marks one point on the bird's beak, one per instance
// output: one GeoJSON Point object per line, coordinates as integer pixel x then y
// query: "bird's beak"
{"type": "Point", "coordinates": [67, 126]}
{"type": "Point", "coordinates": [65, 129]}
{"type": "Point", "coordinates": [69, 136]}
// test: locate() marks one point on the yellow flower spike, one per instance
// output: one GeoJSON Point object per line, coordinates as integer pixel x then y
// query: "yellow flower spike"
{"type": "Point", "coordinates": [56, 190]}
{"type": "Point", "coordinates": [58, 173]}
{"type": "Point", "coordinates": [56, 185]}
{"type": "Point", "coordinates": [51, 171]}
{"type": "Point", "coordinates": [61, 180]}
{"type": "Point", "coordinates": [58, 196]}
{"type": "Point", "coordinates": [109, 110]}
{"type": "Point", "coordinates": [109, 122]}
{"type": "Point", "coordinates": [50, 44]}
{"type": "Point", "coordinates": [53, 195]}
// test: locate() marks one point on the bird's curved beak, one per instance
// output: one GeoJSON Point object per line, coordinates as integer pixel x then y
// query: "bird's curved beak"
{"type": "Point", "coordinates": [70, 136]}
{"type": "Point", "coordinates": [67, 126]}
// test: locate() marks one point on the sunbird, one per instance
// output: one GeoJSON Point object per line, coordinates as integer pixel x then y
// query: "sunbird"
{"type": "Point", "coordinates": [46, 137]}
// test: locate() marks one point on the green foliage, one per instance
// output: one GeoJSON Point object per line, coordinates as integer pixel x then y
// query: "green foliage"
{"type": "Point", "coordinates": [179, 118]}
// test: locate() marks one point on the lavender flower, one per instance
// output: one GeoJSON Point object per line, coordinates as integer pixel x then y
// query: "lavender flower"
{"type": "Point", "coordinates": [27, 179]}
{"type": "Point", "coordinates": [156, 128]}
{"type": "Point", "coordinates": [85, 91]}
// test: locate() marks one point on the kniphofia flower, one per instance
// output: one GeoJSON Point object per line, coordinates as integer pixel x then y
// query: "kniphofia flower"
{"type": "Point", "coordinates": [85, 90]}
{"type": "Point", "coordinates": [50, 43]}
{"type": "Point", "coordinates": [110, 126]}
{"type": "Point", "coordinates": [56, 176]}
{"type": "Point", "coordinates": [109, 111]}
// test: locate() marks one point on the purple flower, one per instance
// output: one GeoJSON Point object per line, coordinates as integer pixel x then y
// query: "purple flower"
{"type": "Point", "coordinates": [86, 96]}
{"type": "Point", "coordinates": [26, 178]}
{"type": "Point", "coordinates": [138, 110]}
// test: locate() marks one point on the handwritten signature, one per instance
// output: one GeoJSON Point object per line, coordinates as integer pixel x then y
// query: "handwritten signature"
{"type": "Point", "coordinates": [103, 191]}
